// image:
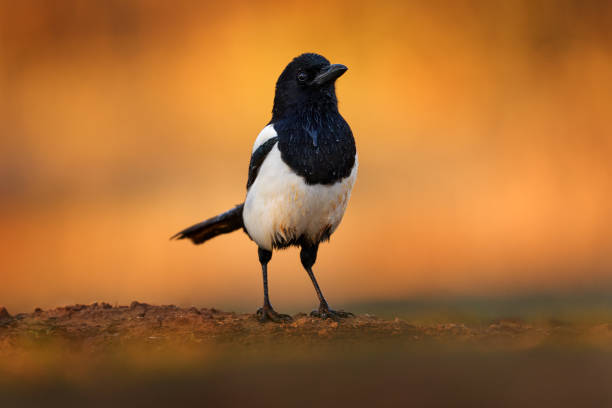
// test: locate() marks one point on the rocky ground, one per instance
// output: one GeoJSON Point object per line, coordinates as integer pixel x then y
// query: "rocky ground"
{"type": "Point", "coordinates": [101, 326]}
{"type": "Point", "coordinates": [98, 354]}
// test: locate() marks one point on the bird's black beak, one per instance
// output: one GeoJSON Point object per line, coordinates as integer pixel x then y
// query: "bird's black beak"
{"type": "Point", "coordinates": [329, 74]}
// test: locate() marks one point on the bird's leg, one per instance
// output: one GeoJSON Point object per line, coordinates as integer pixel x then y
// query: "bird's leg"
{"type": "Point", "coordinates": [267, 313]}
{"type": "Point", "coordinates": [308, 256]}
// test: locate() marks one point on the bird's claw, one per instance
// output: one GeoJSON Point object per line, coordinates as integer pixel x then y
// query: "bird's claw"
{"type": "Point", "coordinates": [326, 313]}
{"type": "Point", "coordinates": [265, 314]}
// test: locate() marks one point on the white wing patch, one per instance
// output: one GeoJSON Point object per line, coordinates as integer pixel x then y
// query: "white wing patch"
{"type": "Point", "coordinates": [266, 133]}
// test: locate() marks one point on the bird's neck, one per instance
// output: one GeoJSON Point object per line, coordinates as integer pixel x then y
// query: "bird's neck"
{"type": "Point", "coordinates": [309, 110]}
{"type": "Point", "coordinates": [314, 119]}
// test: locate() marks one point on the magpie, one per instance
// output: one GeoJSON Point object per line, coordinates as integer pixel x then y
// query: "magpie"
{"type": "Point", "coordinates": [302, 170]}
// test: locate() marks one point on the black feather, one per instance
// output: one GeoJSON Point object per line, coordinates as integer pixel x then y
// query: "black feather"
{"type": "Point", "coordinates": [221, 224]}
{"type": "Point", "coordinates": [259, 155]}
{"type": "Point", "coordinates": [325, 159]}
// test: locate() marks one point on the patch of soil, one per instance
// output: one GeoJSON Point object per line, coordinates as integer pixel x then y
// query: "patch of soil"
{"type": "Point", "coordinates": [100, 355]}
{"type": "Point", "coordinates": [100, 326]}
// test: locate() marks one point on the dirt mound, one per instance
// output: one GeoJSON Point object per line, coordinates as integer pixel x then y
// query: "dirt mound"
{"type": "Point", "coordinates": [144, 355]}
{"type": "Point", "coordinates": [101, 325]}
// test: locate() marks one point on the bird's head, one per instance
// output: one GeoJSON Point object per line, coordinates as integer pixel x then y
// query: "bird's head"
{"type": "Point", "coordinates": [307, 81]}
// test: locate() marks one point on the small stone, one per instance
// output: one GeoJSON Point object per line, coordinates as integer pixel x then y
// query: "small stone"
{"type": "Point", "coordinates": [38, 310]}
{"type": "Point", "coordinates": [136, 304]}
{"type": "Point", "coordinates": [75, 308]}
{"type": "Point", "coordinates": [4, 314]}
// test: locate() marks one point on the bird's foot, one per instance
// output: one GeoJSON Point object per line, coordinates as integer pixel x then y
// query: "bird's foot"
{"type": "Point", "coordinates": [267, 314]}
{"type": "Point", "coordinates": [327, 313]}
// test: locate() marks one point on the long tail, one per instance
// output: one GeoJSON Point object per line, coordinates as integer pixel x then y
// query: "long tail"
{"type": "Point", "coordinates": [221, 224]}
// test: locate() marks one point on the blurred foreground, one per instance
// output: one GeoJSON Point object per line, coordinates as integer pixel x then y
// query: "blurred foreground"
{"type": "Point", "coordinates": [142, 355]}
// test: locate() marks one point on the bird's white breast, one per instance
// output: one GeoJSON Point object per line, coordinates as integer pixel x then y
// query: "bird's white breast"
{"type": "Point", "coordinates": [279, 204]}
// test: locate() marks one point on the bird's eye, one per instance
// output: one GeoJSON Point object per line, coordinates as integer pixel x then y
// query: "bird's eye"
{"type": "Point", "coordinates": [302, 76]}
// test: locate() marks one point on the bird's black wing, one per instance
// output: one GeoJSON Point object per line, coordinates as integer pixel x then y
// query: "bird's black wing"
{"type": "Point", "coordinates": [258, 157]}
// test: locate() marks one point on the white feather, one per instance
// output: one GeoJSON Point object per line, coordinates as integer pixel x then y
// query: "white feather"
{"type": "Point", "coordinates": [266, 133]}
{"type": "Point", "coordinates": [280, 203]}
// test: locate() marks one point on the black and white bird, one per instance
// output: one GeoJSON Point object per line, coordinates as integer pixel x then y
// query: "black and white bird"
{"type": "Point", "coordinates": [302, 170]}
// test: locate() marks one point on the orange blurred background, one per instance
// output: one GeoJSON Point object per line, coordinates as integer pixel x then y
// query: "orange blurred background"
{"type": "Point", "coordinates": [484, 132]}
